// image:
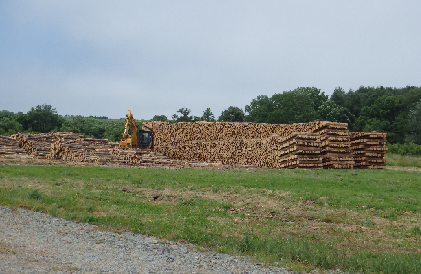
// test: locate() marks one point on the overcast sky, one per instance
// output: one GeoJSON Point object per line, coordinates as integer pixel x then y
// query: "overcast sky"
{"type": "Point", "coordinates": [103, 58]}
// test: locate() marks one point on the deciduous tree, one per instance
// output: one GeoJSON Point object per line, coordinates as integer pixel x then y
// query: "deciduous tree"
{"type": "Point", "coordinates": [184, 115]}
{"type": "Point", "coordinates": [414, 125]}
{"type": "Point", "coordinates": [43, 118]}
{"type": "Point", "coordinates": [232, 114]}
{"type": "Point", "coordinates": [208, 116]}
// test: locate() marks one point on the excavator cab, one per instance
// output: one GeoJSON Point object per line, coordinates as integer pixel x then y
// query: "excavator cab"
{"type": "Point", "coordinates": [141, 139]}
{"type": "Point", "coordinates": [144, 139]}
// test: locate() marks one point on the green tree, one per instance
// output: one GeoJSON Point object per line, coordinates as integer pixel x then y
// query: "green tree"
{"type": "Point", "coordinates": [232, 114]}
{"type": "Point", "coordinates": [184, 115]}
{"type": "Point", "coordinates": [208, 116]}
{"type": "Point", "coordinates": [9, 125]}
{"type": "Point", "coordinates": [113, 131]}
{"type": "Point", "coordinates": [414, 125]}
{"type": "Point", "coordinates": [292, 107]}
{"type": "Point", "coordinates": [160, 118]}
{"type": "Point", "coordinates": [297, 106]}
{"type": "Point", "coordinates": [386, 114]}
{"type": "Point", "coordinates": [315, 95]}
{"type": "Point", "coordinates": [6, 113]}
{"type": "Point", "coordinates": [339, 96]}
{"type": "Point", "coordinates": [90, 127]}
{"type": "Point", "coordinates": [43, 118]}
{"type": "Point", "coordinates": [259, 109]}
{"type": "Point", "coordinates": [330, 111]}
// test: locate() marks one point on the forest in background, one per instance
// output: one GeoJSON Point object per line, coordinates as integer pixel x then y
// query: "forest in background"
{"type": "Point", "coordinates": [396, 111]}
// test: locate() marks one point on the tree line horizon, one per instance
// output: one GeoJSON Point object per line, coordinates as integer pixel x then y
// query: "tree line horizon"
{"type": "Point", "coordinates": [396, 111]}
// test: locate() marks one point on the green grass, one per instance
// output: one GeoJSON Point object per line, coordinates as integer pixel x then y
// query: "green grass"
{"type": "Point", "coordinates": [403, 161]}
{"type": "Point", "coordinates": [356, 220]}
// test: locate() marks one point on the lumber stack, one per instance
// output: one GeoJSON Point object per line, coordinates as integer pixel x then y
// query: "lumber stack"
{"type": "Point", "coordinates": [10, 149]}
{"type": "Point", "coordinates": [335, 145]}
{"type": "Point", "coordinates": [368, 149]}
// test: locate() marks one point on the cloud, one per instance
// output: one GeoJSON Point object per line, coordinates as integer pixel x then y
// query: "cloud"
{"type": "Point", "coordinates": [155, 57]}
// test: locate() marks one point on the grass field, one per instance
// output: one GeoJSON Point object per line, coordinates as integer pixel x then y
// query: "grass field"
{"type": "Point", "coordinates": [403, 161]}
{"type": "Point", "coordinates": [356, 220]}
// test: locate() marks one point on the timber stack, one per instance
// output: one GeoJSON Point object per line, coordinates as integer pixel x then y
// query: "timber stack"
{"type": "Point", "coordinates": [10, 149]}
{"type": "Point", "coordinates": [298, 150]}
{"type": "Point", "coordinates": [368, 149]}
{"type": "Point", "coordinates": [71, 147]}
{"type": "Point", "coordinates": [335, 145]}
{"type": "Point", "coordinates": [319, 144]}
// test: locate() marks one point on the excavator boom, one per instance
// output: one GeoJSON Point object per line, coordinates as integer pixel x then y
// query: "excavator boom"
{"type": "Point", "coordinates": [129, 141]}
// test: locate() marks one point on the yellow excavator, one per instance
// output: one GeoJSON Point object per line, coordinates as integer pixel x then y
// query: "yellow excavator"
{"type": "Point", "coordinates": [142, 139]}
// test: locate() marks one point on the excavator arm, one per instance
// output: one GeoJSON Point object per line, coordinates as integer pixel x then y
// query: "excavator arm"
{"type": "Point", "coordinates": [128, 141]}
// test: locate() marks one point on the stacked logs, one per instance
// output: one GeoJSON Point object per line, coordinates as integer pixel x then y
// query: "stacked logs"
{"type": "Point", "coordinates": [172, 134]}
{"type": "Point", "coordinates": [25, 143]}
{"type": "Point", "coordinates": [368, 149]}
{"type": "Point", "coordinates": [335, 145]}
{"type": "Point", "coordinates": [298, 150]}
{"type": "Point", "coordinates": [227, 152]}
{"type": "Point", "coordinates": [318, 144]}
{"type": "Point", "coordinates": [10, 149]}
{"type": "Point", "coordinates": [255, 144]}
{"type": "Point", "coordinates": [71, 147]}
{"type": "Point", "coordinates": [76, 148]}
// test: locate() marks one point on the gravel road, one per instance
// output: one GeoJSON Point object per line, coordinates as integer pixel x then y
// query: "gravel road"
{"type": "Point", "coordinates": [32, 242]}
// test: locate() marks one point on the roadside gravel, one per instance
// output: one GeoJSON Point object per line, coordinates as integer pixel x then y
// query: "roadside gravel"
{"type": "Point", "coordinates": [32, 242]}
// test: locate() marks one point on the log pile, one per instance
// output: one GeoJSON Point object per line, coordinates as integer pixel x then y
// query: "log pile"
{"type": "Point", "coordinates": [36, 145]}
{"type": "Point", "coordinates": [71, 147]}
{"type": "Point", "coordinates": [256, 144]}
{"type": "Point", "coordinates": [171, 134]}
{"type": "Point", "coordinates": [318, 144]}
{"type": "Point", "coordinates": [298, 150]}
{"type": "Point", "coordinates": [368, 149]}
{"type": "Point", "coordinates": [10, 149]}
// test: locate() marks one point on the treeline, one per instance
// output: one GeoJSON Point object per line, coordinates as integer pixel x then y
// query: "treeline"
{"type": "Point", "coordinates": [44, 118]}
{"type": "Point", "coordinates": [396, 111]}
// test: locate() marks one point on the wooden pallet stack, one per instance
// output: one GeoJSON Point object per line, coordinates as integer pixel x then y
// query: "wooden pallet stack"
{"type": "Point", "coordinates": [369, 149]}
{"type": "Point", "coordinates": [10, 149]}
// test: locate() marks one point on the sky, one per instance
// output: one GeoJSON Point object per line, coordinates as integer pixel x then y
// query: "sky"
{"type": "Point", "coordinates": [103, 58]}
